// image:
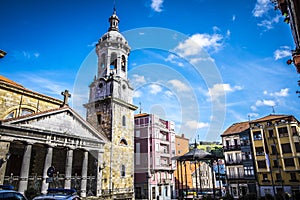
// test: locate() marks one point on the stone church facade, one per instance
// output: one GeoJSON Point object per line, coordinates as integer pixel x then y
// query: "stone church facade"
{"type": "Point", "coordinates": [37, 132]}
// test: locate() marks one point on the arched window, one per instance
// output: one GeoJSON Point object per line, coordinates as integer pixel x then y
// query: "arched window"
{"type": "Point", "coordinates": [123, 120]}
{"type": "Point", "coordinates": [113, 61]}
{"type": "Point", "coordinates": [123, 63]}
{"type": "Point", "coordinates": [10, 115]}
{"type": "Point", "coordinates": [26, 112]}
{"type": "Point", "coordinates": [123, 171]}
{"type": "Point", "coordinates": [123, 142]}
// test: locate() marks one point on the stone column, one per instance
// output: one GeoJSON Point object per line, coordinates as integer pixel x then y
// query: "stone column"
{"type": "Point", "coordinates": [68, 171]}
{"type": "Point", "coordinates": [84, 173]}
{"type": "Point", "coordinates": [47, 164]}
{"type": "Point", "coordinates": [99, 173]}
{"type": "Point", "coordinates": [25, 168]}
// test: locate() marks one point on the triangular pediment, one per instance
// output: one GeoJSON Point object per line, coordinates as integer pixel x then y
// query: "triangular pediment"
{"type": "Point", "coordinates": [63, 121]}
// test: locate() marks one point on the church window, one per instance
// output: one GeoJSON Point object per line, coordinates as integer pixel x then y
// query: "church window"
{"type": "Point", "coordinates": [99, 118]}
{"type": "Point", "coordinates": [123, 142]}
{"type": "Point", "coordinates": [123, 120]}
{"type": "Point", "coordinates": [26, 112]}
{"type": "Point", "coordinates": [123, 63]}
{"type": "Point", "coordinates": [10, 115]}
{"type": "Point", "coordinates": [103, 61]}
{"type": "Point", "coordinates": [113, 61]}
{"type": "Point", "coordinates": [123, 171]}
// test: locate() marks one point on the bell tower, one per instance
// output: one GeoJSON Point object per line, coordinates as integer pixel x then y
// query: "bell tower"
{"type": "Point", "coordinates": [110, 109]}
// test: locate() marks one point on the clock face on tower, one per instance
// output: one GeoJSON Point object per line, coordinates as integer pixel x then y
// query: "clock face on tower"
{"type": "Point", "coordinates": [101, 90]}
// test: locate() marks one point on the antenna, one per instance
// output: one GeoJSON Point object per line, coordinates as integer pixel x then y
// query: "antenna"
{"type": "Point", "coordinates": [273, 110]}
{"type": "Point", "coordinates": [249, 118]}
{"type": "Point", "coordinates": [140, 108]}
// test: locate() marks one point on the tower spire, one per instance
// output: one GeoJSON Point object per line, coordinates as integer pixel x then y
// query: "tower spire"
{"type": "Point", "coordinates": [114, 20]}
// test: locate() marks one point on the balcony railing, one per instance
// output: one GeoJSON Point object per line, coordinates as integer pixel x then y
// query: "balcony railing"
{"type": "Point", "coordinates": [235, 176]}
{"type": "Point", "coordinates": [234, 162]}
{"type": "Point", "coordinates": [232, 147]}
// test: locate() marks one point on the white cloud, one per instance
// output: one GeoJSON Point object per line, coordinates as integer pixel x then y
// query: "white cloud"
{"type": "Point", "coordinates": [268, 23]}
{"type": "Point", "coordinates": [228, 33]}
{"type": "Point", "coordinates": [168, 93]}
{"type": "Point", "coordinates": [253, 108]}
{"type": "Point", "coordinates": [261, 8]}
{"type": "Point", "coordinates": [219, 90]}
{"type": "Point", "coordinates": [265, 103]}
{"type": "Point", "coordinates": [196, 125]}
{"type": "Point", "coordinates": [172, 59]}
{"type": "Point", "coordinates": [282, 52]}
{"type": "Point", "coordinates": [180, 86]}
{"type": "Point", "coordinates": [254, 115]}
{"type": "Point", "coordinates": [282, 93]}
{"type": "Point", "coordinates": [137, 94]}
{"type": "Point", "coordinates": [154, 88]}
{"type": "Point", "coordinates": [28, 54]}
{"type": "Point", "coordinates": [216, 29]}
{"type": "Point", "coordinates": [137, 79]}
{"type": "Point", "coordinates": [194, 44]}
{"type": "Point", "coordinates": [156, 5]}
{"type": "Point", "coordinates": [233, 18]}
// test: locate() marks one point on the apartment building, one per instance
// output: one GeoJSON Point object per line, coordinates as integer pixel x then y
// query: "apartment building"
{"type": "Point", "coordinates": [154, 147]}
{"type": "Point", "coordinates": [183, 178]}
{"type": "Point", "coordinates": [275, 140]}
{"type": "Point", "coordinates": [239, 161]}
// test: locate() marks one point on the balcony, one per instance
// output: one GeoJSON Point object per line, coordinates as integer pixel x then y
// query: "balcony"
{"type": "Point", "coordinates": [235, 176]}
{"type": "Point", "coordinates": [234, 162]}
{"type": "Point", "coordinates": [232, 147]}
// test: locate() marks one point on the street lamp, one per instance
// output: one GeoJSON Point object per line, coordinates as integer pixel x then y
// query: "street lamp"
{"type": "Point", "coordinates": [2, 53]}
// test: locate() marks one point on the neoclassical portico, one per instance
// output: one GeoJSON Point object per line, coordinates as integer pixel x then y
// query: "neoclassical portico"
{"type": "Point", "coordinates": [66, 142]}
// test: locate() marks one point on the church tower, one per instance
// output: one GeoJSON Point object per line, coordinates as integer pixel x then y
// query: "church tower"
{"type": "Point", "coordinates": [111, 112]}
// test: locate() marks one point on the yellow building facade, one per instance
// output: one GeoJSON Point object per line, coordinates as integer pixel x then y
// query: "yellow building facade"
{"type": "Point", "coordinates": [276, 149]}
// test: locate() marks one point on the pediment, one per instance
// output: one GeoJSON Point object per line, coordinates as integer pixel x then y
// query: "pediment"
{"type": "Point", "coordinates": [63, 121]}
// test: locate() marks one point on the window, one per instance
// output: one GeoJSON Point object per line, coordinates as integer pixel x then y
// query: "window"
{"type": "Point", "coordinates": [99, 118]}
{"type": "Point", "coordinates": [283, 132]}
{"type": "Point", "coordinates": [265, 176]}
{"type": "Point", "coordinates": [123, 142]}
{"type": "Point", "coordinates": [275, 162]}
{"type": "Point", "coordinates": [257, 135]}
{"type": "Point", "coordinates": [123, 120]}
{"type": "Point", "coordinates": [286, 148]}
{"type": "Point", "coordinates": [293, 176]}
{"type": "Point", "coordinates": [137, 153]}
{"type": "Point", "coordinates": [289, 162]}
{"type": "Point", "coordinates": [261, 164]}
{"type": "Point", "coordinates": [249, 171]}
{"type": "Point", "coordinates": [123, 63]}
{"type": "Point", "coordinates": [122, 170]}
{"type": "Point", "coordinates": [273, 148]}
{"type": "Point", "coordinates": [246, 155]}
{"type": "Point", "coordinates": [297, 146]}
{"type": "Point", "coordinates": [294, 130]}
{"type": "Point", "coordinates": [259, 151]}
{"type": "Point", "coordinates": [278, 177]}
{"type": "Point", "coordinates": [271, 133]}
{"type": "Point", "coordinates": [137, 121]}
{"type": "Point", "coordinates": [10, 115]}
{"type": "Point", "coordinates": [137, 133]}
{"type": "Point", "coordinates": [26, 112]}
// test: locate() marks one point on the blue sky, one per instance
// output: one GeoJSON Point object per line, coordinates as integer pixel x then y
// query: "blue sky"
{"type": "Point", "coordinates": [203, 64]}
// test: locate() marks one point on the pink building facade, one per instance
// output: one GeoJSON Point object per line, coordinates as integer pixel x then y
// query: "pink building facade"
{"type": "Point", "coordinates": [154, 148]}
